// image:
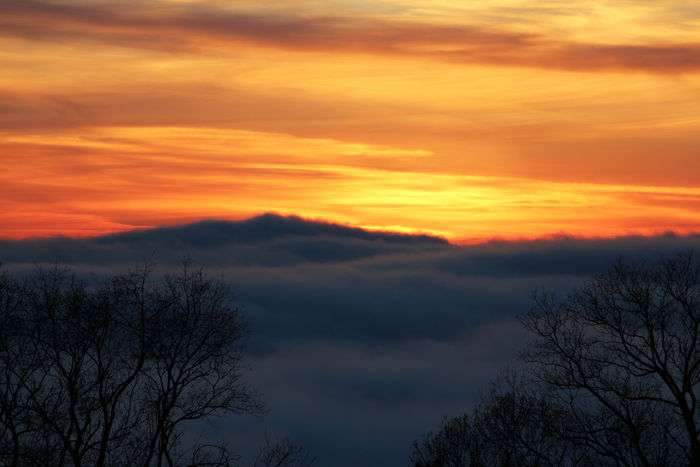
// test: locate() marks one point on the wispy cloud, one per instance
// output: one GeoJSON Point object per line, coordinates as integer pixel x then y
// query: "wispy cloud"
{"type": "Point", "coordinates": [198, 28]}
{"type": "Point", "coordinates": [127, 177]}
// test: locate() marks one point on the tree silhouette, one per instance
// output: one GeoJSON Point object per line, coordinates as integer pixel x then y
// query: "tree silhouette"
{"type": "Point", "coordinates": [610, 377]}
{"type": "Point", "coordinates": [514, 425]}
{"type": "Point", "coordinates": [282, 453]}
{"type": "Point", "coordinates": [108, 375]}
{"type": "Point", "coordinates": [453, 445]}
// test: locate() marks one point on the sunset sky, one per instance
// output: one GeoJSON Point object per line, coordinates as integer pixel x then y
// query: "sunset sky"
{"type": "Point", "coordinates": [468, 119]}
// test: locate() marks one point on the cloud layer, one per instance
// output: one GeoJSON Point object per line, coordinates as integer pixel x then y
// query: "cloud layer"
{"type": "Point", "coordinates": [361, 340]}
{"type": "Point", "coordinates": [201, 27]}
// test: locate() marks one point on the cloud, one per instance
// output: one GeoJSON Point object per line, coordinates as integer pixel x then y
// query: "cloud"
{"type": "Point", "coordinates": [263, 228]}
{"type": "Point", "coordinates": [189, 28]}
{"type": "Point", "coordinates": [266, 240]}
{"type": "Point", "coordinates": [361, 340]}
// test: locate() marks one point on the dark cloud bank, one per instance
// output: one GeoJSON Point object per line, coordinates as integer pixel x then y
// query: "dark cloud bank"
{"type": "Point", "coordinates": [361, 340]}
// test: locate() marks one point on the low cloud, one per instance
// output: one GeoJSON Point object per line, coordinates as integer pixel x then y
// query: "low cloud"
{"type": "Point", "coordinates": [361, 340]}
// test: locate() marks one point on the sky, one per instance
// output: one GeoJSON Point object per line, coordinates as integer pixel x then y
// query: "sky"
{"type": "Point", "coordinates": [506, 119]}
{"type": "Point", "coordinates": [297, 148]}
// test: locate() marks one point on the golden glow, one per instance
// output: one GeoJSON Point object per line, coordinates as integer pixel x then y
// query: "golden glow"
{"type": "Point", "coordinates": [473, 120]}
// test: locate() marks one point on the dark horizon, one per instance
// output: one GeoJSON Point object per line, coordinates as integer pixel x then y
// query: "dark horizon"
{"type": "Point", "coordinates": [360, 341]}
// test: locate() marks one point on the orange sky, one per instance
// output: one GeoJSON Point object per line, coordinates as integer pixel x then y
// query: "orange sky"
{"type": "Point", "coordinates": [473, 120]}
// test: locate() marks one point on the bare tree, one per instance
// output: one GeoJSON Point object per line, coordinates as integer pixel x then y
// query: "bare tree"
{"type": "Point", "coordinates": [454, 444]}
{"type": "Point", "coordinates": [282, 453]}
{"type": "Point", "coordinates": [622, 354]}
{"type": "Point", "coordinates": [193, 361]}
{"type": "Point", "coordinates": [514, 425]}
{"type": "Point", "coordinates": [108, 375]}
{"type": "Point", "coordinates": [519, 425]}
{"type": "Point", "coordinates": [611, 379]}
{"type": "Point", "coordinates": [13, 398]}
